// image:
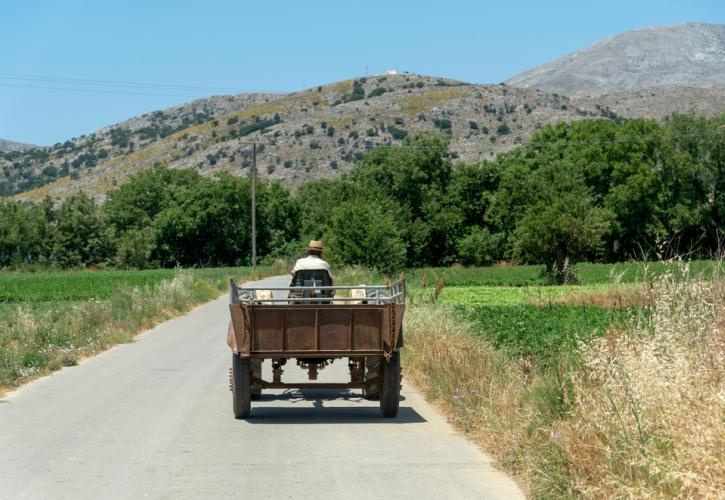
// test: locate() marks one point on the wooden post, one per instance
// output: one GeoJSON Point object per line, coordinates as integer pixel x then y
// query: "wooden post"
{"type": "Point", "coordinates": [254, 207]}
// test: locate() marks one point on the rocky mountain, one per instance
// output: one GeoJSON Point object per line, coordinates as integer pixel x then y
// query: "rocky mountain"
{"type": "Point", "coordinates": [8, 146]}
{"type": "Point", "coordinates": [691, 54]}
{"type": "Point", "coordinates": [322, 131]}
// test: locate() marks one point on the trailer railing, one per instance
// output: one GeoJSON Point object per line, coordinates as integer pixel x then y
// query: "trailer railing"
{"type": "Point", "coordinates": [356, 294]}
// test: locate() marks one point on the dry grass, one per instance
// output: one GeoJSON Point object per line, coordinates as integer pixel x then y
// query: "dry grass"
{"type": "Point", "coordinates": [423, 101]}
{"type": "Point", "coordinates": [479, 388]}
{"type": "Point", "coordinates": [648, 419]}
{"type": "Point", "coordinates": [35, 342]}
{"type": "Point", "coordinates": [615, 297]}
{"type": "Point", "coordinates": [641, 415]}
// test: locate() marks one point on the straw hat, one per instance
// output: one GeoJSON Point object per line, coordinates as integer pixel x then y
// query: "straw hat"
{"type": "Point", "coordinates": [315, 245]}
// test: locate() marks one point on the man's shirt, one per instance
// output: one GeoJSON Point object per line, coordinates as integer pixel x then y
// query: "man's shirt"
{"type": "Point", "coordinates": [312, 263]}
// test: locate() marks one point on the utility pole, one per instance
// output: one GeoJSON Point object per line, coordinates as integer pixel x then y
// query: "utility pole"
{"type": "Point", "coordinates": [254, 207]}
{"type": "Point", "coordinates": [254, 196]}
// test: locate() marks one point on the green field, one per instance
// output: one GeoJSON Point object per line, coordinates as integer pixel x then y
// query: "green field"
{"type": "Point", "coordinates": [52, 319]}
{"type": "Point", "coordinates": [537, 321]}
{"type": "Point", "coordinates": [585, 273]}
{"type": "Point", "coordinates": [522, 369]}
{"type": "Point", "coordinates": [47, 286]}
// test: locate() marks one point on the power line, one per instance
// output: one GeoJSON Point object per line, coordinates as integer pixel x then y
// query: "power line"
{"type": "Point", "coordinates": [99, 91]}
{"type": "Point", "coordinates": [128, 84]}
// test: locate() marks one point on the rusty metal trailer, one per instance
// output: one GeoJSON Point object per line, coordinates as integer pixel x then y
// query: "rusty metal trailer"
{"type": "Point", "coordinates": [364, 325]}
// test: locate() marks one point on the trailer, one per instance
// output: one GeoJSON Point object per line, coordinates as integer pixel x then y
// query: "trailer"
{"type": "Point", "coordinates": [316, 325]}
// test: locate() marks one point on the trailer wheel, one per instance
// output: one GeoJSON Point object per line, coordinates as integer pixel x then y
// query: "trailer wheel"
{"type": "Point", "coordinates": [241, 386]}
{"type": "Point", "coordinates": [390, 386]}
{"type": "Point", "coordinates": [372, 370]}
{"type": "Point", "coordinates": [256, 366]}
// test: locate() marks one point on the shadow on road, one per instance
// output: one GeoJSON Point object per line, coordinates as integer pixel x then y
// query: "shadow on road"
{"type": "Point", "coordinates": [356, 413]}
{"type": "Point", "coordinates": [331, 415]}
{"type": "Point", "coordinates": [315, 394]}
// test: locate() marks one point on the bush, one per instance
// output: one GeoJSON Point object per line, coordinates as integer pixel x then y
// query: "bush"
{"type": "Point", "coordinates": [358, 92]}
{"type": "Point", "coordinates": [366, 233]}
{"type": "Point", "coordinates": [503, 129]}
{"type": "Point", "coordinates": [134, 248]}
{"type": "Point", "coordinates": [443, 124]}
{"type": "Point", "coordinates": [398, 133]}
{"type": "Point", "coordinates": [479, 247]}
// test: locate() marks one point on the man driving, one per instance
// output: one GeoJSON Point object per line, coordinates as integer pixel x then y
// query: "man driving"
{"type": "Point", "coordinates": [311, 270]}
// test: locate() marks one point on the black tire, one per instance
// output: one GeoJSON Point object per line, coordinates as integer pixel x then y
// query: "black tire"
{"type": "Point", "coordinates": [390, 386]}
{"type": "Point", "coordinates": [372, 370]}
{"type": "Point", "coordinates": [256, 366]}
{"type": "Point", "coordinates": [241, 386]}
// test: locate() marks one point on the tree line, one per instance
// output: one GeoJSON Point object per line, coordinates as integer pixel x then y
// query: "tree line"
{"type": "Point", "coordinates": [594, 189]}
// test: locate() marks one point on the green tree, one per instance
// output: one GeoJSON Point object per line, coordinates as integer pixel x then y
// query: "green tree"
{"type": "Point", "coordinates": [138, 201]}
{"type": "Point", "coordinates": [82, 237]}
{"type": "Point", "coordinates": [135, 248]}
{"type": "Point", "coordinates": [478, 247]}
{"type": "Point", "coordinates": [415, 177]}
{"type": "Point", "coordinates": [562, 225]}
{"type": "Point", "coordinates": [315, 199]}
{"type": "Point", "coordinates": [211, 224]}
{"type": "Point", "coordinates": [693, 175]}
{"type": "Point", "coordinates": [25, 233]}
{"type": "Point", "coordinates": [366, 233]}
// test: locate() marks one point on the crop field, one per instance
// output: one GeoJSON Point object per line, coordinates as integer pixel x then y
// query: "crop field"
{"type": "Point", "coordinates": [584, 273]}
{"type": "Point", "coordinates": [513, 308]}
{"type": "Point", "coordinates": [542, 321]}
{"type": "Point", "coordinates": [555, 380]}
{"type": "Point", "coordinates": [85, 285]}
{"type": "Point", "coordinates": [52, 319]}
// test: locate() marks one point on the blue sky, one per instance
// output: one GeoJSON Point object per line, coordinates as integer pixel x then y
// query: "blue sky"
{"type": "Point", "coordinates": [277, 46]}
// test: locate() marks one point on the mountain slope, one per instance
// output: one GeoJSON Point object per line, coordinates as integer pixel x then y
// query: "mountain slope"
{"type": "Point", "coordinates": [8, 146]}
{"type": "Point", "coordinates": [321, 132]}
{"type": "Point", "coordinates": [691, 54]}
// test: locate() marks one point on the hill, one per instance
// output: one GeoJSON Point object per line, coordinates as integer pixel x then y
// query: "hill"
{"type": "Point", "coordinates": [691, 54]}
{"type": "Point", "coordinates": [322, 131]}
{"type": "Point", "coordinates": [8, 146]}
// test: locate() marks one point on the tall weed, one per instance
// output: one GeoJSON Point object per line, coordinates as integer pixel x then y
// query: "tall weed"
{"type": "Point", "coordinates": [648, 417]}
{"type": "Point", "coordinates": [637, 412]}
{"type": "Point", "coordinates": [35, 340]}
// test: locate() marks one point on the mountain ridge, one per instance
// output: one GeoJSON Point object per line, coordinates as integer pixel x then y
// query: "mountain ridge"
{"type": "Point", "coordinates": [322, 131]}
{"type": "Point", "coordinates": [8, 146]}
{"type": "Point", "coordinates": [691, 54]}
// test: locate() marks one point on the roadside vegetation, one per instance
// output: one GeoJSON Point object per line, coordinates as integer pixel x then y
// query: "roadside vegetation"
{"type": "Point", "coordinates": [603, 390]}
{"type": "Point", "coordinates": [51, 320]}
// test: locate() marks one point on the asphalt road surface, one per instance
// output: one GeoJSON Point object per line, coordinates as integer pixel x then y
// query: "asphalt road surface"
{"type": "Point", "coordinates": [153, 419]}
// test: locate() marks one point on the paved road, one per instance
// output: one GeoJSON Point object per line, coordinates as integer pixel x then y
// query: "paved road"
{"type": "Point", "coordinates": [153, 418]}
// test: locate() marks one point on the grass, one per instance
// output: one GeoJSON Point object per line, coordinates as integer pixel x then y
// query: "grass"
{"type": "Point", "coordinates": [475, 296]}
{"type": "Point", "coordinates": [545, 333]}
{"type": "Point", "coordinates": [586, 273]}
{"type": "Point", "coordinates": [423, 101]}
{"type": "Point", "coordinates": [62, 317]}
{"type": "Point", "coordinates": [84, 285]}
{"type": "Point", "coordinates": [602, 390]}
